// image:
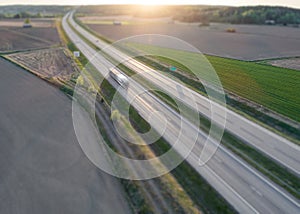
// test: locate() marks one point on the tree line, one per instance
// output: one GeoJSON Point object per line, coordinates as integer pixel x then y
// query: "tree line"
{"type": "Point", "coordinates": [30, 11]}
{"type": "Point", "coordinates": [202, 13]}
{"type": "Point", "coordinates": [241, 15]}
{"type": "Point", "coordinates": [185, 13]}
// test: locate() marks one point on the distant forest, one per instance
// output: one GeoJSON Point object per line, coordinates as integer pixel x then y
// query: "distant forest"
{"type": "Point", "coordinates": [203, 13]}
{"type": "Point", "coordinates": [242, 15]}
{"type": "Point", "coordinates": [28, 11]}
{"type": "Point", "coordinates": [184, 13]}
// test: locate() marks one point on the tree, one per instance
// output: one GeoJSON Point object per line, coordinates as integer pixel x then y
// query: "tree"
{"type": "Point", "coordinates": [39, 15]}
{"type": "Point", "coordinates": [27, 21]}
{"type": "Point", "coordinates": [25, 15]}
{"type": "Point", "coordinates": [17, 16]}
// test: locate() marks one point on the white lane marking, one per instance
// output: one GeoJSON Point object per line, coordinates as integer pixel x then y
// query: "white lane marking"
{"type": "Point", "coordinates": [218, 159]}
{"type": "Point", "coordinates": [251, 134]}
{"type": "Point", "coordinates": [256, 191]}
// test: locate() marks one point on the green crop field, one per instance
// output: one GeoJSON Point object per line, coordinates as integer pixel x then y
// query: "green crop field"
{"type": "Point", "coordinates": [275, 88]}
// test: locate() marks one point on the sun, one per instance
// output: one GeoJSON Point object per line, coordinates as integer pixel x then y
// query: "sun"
{"type": "Point", "coordinates": [153, 2]}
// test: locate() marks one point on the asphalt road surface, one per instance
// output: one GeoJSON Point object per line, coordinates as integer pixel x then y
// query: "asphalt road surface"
{"type": "Point", "coordinates": [42, 167]}
{"type": "Point", "coordinates": [246, 189]}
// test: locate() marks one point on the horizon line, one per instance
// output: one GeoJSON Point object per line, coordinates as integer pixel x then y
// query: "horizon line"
{"type": "Point", "coordinates": [178, 4]}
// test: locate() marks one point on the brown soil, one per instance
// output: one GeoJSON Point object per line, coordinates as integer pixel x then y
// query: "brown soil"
{"type": "Point", "coordinates": [18, 38]}
{"type": "Point", "coordinates": [41, 23]}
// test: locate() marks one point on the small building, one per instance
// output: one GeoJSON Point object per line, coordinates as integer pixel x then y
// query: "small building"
{"type": "Point", "coordinates": [117, 22]}
{"type": "Point", "coordinates": [76, 54]}
{"type": "Point", "coordinates": [270, 22]}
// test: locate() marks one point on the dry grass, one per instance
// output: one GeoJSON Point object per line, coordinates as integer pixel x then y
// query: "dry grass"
{"type": "Point", "coordinates": [53, 63]}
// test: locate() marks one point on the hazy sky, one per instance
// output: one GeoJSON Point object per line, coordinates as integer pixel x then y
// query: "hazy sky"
{"type": "Point", "coordinates": [289, 3]}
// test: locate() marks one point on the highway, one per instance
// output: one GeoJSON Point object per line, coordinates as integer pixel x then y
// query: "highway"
{"type": "Point", "coordinates": [246, 189]}
{"type": "Point", "coordinates": [278, 148]}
